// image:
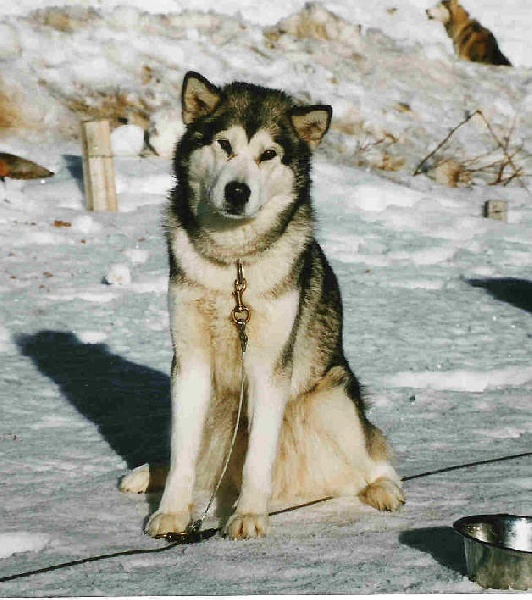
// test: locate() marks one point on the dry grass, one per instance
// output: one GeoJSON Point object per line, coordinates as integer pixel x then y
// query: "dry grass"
{"type": "Point", "coordinates": [10, 116]}
{"type": "Point", "coordinates": [117, 107]}
{"type": "Point", "coordinates": [13, 115]}
{"type": "Point", "coordinates": [19, 113]}
{"type": "Point", "coordinates": [374, 150]}
{"type": "Point", "coordinates": [451, 173]}
{"type": "Point", "coordinates": [315, 22]}
{"type": "Point", "coordinates": [65, 19]}
{"type": "Point", "coordinates": [501, 163]}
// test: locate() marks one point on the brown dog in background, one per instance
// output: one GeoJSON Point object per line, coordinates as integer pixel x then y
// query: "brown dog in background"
{"type": "Point", "coordinates": [471, 40]}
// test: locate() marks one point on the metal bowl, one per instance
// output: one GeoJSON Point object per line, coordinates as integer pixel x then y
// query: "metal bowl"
{"type": "Point", "coordinates": [498, 550]}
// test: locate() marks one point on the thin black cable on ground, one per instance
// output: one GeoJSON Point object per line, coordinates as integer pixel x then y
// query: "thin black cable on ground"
{"type": "Point", "coordinates": [471, 464]}
{"type": "Point", "coordinates": [82, 561]}
{"type": "Point", "coordinates": [206, 534]}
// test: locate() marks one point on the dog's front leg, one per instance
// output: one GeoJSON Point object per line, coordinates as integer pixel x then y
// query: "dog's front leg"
{"type": "Point", "coordinates": [191, 390]}
{"type": "Point", "coordinates": [268, 395]}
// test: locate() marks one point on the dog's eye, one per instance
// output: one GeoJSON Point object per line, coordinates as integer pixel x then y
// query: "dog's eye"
{"type": "Point", "coordinates": [225, 145]}
{"type": "Point", "coordinates": [268, 155]}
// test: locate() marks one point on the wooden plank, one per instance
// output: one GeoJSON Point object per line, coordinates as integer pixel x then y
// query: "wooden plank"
{"type": "Point", "coordinates": [496, 209]}
{"type": "Point", "coordinates": [98, 168]}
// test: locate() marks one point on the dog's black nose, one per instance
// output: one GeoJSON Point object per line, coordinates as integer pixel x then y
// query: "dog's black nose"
{"type": "Point", "coordinates": [236, 197]}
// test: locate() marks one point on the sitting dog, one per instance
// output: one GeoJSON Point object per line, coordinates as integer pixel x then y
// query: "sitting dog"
{"type": "Point", "coordinates": [471, 40]}
{"type": "Point", "coordinates": [243, 197]}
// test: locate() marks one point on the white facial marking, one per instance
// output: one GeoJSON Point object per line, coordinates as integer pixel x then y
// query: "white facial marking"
{"type": "Point", "coordinates": [439, 13]}
{"type": "Point", "coordinates": [232, 161]}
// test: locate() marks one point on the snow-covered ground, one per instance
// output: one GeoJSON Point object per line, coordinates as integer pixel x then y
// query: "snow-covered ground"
{"type": "Point", "coordinates": [437, 298]}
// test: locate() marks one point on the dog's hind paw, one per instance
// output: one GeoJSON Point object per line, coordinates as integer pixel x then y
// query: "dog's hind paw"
{"type": "Point", "coordinates": [162, 523]}
{"type": "Point", "coordinates": [248, 526]}
{"type": "Point", "coordinates": [137, 481]}
{"type": "Point", "coordinates": [146, 478]}
{"type": "Point", "coordinates": [383, 494]}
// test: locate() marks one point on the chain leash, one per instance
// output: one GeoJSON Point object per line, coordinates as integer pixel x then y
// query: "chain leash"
{"type": "Point", "coordinates": [240, 313]}
{"type": "Point", "coordinates": [240, 316]}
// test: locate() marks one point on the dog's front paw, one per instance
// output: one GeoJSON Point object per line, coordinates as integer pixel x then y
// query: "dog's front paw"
{"type": "Point", "coordinates": [383, 494]}
{"type": "Point", "coordinates": [243, 527]}
{"type": "Point", "coordinates": [161, 523]}
{"type": "Point", "coordinates": [137, 481]}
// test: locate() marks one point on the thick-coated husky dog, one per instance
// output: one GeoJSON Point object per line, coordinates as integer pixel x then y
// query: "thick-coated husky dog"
{"type": "Point", "coordinates": [471, 40]}
{"type": "Point", "coordinates": [243, 194]}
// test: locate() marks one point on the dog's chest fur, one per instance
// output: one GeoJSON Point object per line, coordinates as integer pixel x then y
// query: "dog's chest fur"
{"type": "Point", "coordinates": [207, 297]}
{"type": "Point", "coordinates": [271, 319]}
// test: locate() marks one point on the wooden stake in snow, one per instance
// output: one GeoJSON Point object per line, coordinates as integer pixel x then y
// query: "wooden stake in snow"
{"type": "Point", "coordinates": [496, 209]}
{"type": "Point", "coordinates": [98, 168]}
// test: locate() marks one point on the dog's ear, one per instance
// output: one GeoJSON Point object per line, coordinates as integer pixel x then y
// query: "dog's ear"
{"type": "Point", "coordinates": [199, 97]}
{"type": "Point", "coordinates": [311, 123]}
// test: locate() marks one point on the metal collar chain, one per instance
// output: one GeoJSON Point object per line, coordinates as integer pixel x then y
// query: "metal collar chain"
{"type": "Point", "coordinates": [240, 316]}
{"type": "Point", "coordinates": [240, 313]}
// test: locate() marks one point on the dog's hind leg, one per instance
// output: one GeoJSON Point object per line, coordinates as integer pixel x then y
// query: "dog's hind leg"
{"type": "Point", "coordinates": [328, 449]}
{"type": "Point", "coordinates": [146, 478]}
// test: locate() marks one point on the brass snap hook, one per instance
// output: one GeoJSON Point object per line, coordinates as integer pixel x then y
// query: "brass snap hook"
{"type": "Point", "coordinates": [240, 313]}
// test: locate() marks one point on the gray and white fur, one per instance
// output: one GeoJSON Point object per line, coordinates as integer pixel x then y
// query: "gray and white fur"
{"type": "Point", "coordinates": [243, 192]}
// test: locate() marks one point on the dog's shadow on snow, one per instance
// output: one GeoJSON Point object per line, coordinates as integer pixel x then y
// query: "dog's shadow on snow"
{"type": "Point", "coordinates": [129, 403]}
{"type": "Point", "coordinates": [442, 543]}
{"type": "Point", "coordinates": [512, 290]}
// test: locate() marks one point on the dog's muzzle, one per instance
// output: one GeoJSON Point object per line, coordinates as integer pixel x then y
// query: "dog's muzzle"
{"type": "Point", "coordinates": [236, 198]}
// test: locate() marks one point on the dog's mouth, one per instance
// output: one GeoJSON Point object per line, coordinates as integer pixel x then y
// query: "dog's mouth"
{"type": "Point", "coordinates": [234, 215]}
{"type": "Point", "coordinates": [221, 218]}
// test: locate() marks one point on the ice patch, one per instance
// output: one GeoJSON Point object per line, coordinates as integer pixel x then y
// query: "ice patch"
{"type": "Point", "coordinates": [85, 224]}
{"type": "Point", "coordinates": [419, 284]}
{"type": "Point", "coordinates": [64, 194]}
{"type": "Point", "coordinates": [14, 543]}
{"type": "Point", "coordinates": [92, 337]}
{"type": "Point", "coordinates": [375, 198]}
{"type": "Point", "coordinates": [40, 238]}
{"type": "Point", "coordinates": [137, 256]}
{"type": "Point", "coordinates": [426, 256]}
{"type": "Point", "coordinates": [5, 339]}
{"type": "Point", "coordinates": [503, 433]}
{"type": "Point", "coordinates": [463, 381]}
{"type": "Point", "coordinates": [53, 422]}
{"type": "Point", "coordinates": [153, 184]}
{"type": "Point", "coordinates": [118, 274]}
{"type": "Point", "coordinates": [158, 285]}
{"type": "Point", "coordinates": [342, 247]}
{"type": "Point", "coordinates": [523, 482]}
{"type": "Point", "coordinates": [484, 271]}
{"type": "Point", "coordinates": [131, 202]}
{"type": "Point", "coordinates": [97, 297]}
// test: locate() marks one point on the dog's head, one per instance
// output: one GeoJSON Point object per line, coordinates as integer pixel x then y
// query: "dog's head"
{"type": "Point", "coordinates": [442, 11]}
{"type": "Point", "coordinates": [245, 148]}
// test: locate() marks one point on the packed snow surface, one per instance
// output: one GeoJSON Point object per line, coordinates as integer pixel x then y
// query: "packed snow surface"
{"type": "Point", "coordinates": [437, 298]}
